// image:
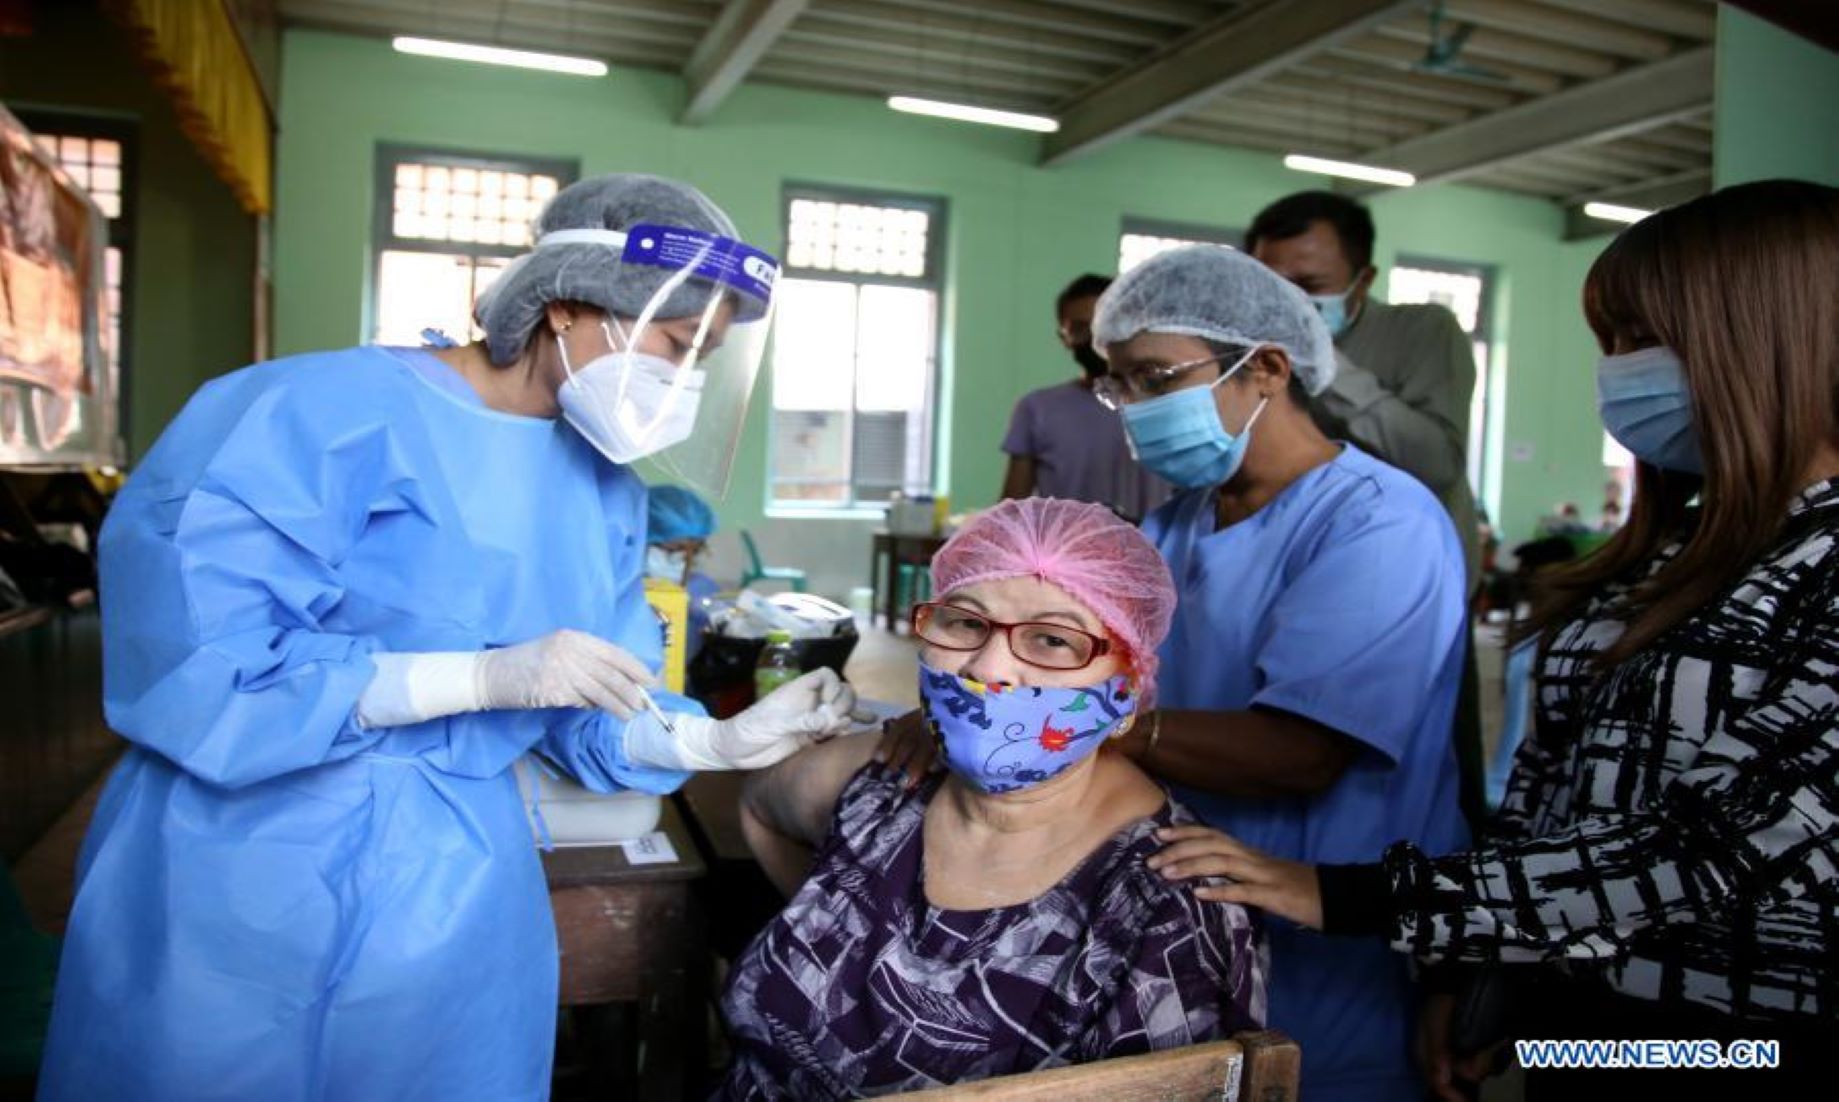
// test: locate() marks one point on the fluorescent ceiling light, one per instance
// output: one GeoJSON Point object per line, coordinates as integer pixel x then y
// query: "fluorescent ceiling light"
{"type": "Point", "coordinates": [1610, 212]}
{"type": "Point", "coordinates": [1041, 124]}
{"type": "Point", "coordinates": [497, 55]}
{"type": "Point", "coordinates": [1349, 169]}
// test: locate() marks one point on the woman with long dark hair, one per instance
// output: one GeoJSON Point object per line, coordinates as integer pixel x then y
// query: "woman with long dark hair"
{"type": "Point", "coordinates": [1665, 859]}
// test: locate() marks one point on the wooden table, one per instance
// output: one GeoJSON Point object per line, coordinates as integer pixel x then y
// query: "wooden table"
{"type": "Point", "coordinates": [631, 934]}
{"type": "Point", "coordinates": [896, 551]}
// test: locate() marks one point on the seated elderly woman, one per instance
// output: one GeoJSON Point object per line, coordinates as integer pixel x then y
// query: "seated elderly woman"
{"type": "Point", "coordinates": [999, 918]}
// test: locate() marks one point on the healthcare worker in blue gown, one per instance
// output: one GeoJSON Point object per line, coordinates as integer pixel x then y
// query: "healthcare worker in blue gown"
{"type": "Point", "coordinates": [1310, 676]}
{"type": "Point", "coordinates": [341, 595]}
{"type": "Point", "coordinates": [678, 526]}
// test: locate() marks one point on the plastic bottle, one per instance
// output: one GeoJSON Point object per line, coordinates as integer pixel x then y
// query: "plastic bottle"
{"type": "Point", "coordinates": [778, 664]}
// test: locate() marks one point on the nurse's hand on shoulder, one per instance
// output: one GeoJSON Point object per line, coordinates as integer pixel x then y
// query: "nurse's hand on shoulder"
{"type": "Point", "coordinates": [565, 669]}
{"type": "Point", "coordinates": [1286, 888]}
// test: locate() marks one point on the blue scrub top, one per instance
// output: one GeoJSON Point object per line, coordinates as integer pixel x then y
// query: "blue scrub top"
{"type": "Point", "coordinates": [1342, 601]}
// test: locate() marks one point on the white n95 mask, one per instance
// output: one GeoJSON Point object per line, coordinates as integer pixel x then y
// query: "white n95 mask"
{"type": "Point", "coordinates": [630, 404]}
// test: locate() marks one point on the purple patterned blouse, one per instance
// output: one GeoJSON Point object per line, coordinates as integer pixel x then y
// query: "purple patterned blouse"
{"type": "Point", "coordinates": [860, 987]}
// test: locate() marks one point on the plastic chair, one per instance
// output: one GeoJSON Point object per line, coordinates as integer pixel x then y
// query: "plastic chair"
{"type": "Point", "coordinates": [757, 571]}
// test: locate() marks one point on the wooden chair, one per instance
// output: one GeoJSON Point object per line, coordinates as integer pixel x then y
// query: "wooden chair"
{"type": "Point", "coordinates": [1252, 1067]}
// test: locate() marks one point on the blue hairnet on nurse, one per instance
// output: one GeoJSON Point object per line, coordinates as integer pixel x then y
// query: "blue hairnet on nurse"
{"type": "Point", "coordinates": [674, 514]}
{"type": "Point", "coordinates": [343, 593]}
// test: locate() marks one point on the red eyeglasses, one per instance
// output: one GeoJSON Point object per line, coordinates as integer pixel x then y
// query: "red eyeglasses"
{"type": "Point", "coordinates": [1049, 646]}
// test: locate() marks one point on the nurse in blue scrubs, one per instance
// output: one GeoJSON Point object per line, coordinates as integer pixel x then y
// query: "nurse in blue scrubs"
{"type": "Point", "coordinates": [1310, 676]}
{"type": "Point", "coordinates": [340, 596]}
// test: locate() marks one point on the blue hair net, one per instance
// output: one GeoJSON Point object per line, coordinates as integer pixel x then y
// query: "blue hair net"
{"type": "Point", "coordinates": [674, 513]}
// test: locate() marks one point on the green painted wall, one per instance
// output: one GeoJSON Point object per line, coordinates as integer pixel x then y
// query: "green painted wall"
{"type": "Point", "coordinates": [1016, 234]}
{"type": "Point", "coordinates": [190, 289]}
{"type": "Point", "coordinates": [1777, 103]}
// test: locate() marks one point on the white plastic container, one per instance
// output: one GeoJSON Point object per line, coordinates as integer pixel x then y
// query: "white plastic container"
{"type": "Point", "coordinates": [862, 604]}
{"type": "Point", "coordinates": [578, 817]}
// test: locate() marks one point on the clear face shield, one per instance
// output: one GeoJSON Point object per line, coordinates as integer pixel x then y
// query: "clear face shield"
{"type": "Point", "coordinates": [673, 386]}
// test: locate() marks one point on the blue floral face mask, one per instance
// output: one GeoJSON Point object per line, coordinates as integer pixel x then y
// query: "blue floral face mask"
{"type": "Point", "coordinates": [1005, 738]}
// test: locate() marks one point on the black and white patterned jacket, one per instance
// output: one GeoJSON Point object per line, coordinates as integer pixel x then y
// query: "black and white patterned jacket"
{"type": "Point", "coordinates": [1673, 821]}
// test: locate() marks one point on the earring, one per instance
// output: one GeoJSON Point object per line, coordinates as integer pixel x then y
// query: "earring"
{"type": "Point", "coordinates": [567, 325]}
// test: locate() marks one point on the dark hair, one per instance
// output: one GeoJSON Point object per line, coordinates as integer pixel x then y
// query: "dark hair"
{"type": "Point", "coordinates": [1292, 216]}
{"type": "Point", "coordinates": [1740, 284]}
{"type": "Point", "coordinates": [1090, 285]}
{"type": "Point", "coordinates": [1295, 391]}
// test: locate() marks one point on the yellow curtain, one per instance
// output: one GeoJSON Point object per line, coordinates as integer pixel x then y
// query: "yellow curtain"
{"type": "Point", "coordinates": [194, 53]}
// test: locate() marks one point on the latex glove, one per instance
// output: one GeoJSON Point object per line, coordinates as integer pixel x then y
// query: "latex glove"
{"type": "Point", "coordinates": [815, 707]}
{"type": "Point", "coordinates": [566, 669]}
{"type": "Point", "coordinates": [569, 669]}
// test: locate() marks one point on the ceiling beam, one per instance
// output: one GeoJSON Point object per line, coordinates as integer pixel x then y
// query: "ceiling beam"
{"type": "Point", "coordinates": [1341, 73]}
{"type": "Point", "coordinates": [1389, 53]}
{"type": "Point", "coordinates": [1563, 27]}
{"type": "Point", "coordinates": [1651, 194]}
{"type": "Point", "coordinates": [734, 44]}
{"type": "Point", "coordinates": [1486, 49]}
{"type": "Point", "coordinates": [1221, 56]}
{"type": "Point", "coordinates": [1635, 99]}
{"type": "Point", "coordinates": [1694, 20]}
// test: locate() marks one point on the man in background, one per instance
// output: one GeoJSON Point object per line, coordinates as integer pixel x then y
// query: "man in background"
{"type": "Point", "coordinates": [1063, 442]}
{"type": "Point", "coordinates": [1404, 380]}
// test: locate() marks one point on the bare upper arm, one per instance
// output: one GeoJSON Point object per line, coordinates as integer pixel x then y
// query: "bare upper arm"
{"type": "Point", "coordinates": [1018, 480]}
{"type": "Point", "coordinates": [797, 797]}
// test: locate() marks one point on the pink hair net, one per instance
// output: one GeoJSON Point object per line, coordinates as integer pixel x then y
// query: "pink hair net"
{"type": "Point", "coordinates": [1085, 550]}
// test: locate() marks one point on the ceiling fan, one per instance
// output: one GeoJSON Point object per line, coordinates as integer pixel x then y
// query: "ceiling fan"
{"type": "Point", "coordinates": [1443, 56]}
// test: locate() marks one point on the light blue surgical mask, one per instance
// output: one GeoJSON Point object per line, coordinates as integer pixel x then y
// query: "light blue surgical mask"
{"type": "Point", "coordinates": [665, 565]}
{"type": "Point", "coordinates": [1333, 309]}
{"type": "Point", "coordinates": [1179, 435]}
{"type": "Point", "coordinates": [1647, 408]}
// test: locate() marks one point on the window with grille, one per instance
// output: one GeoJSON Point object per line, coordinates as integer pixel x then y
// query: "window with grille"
{"type": "Point", "coordinates": [447, 224]}
{"type": "Point", "coordinates": [855, 349]}
{"type": "Point", "coordinates": [1143, 238]}
{"type": "Point", "coordinates": [96, 153]}
{"type": "Point", "coordinates": [1467, 290]}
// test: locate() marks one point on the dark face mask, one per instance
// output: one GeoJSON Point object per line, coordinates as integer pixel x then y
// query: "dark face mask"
{"type": "Point", "coordinates": [1090, 361]}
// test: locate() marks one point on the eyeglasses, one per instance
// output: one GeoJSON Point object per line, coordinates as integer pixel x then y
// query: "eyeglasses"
{"type": "Point", "coordinates": [1049, 646]}
{"type": "Point", "coordinates": [1118, 391]}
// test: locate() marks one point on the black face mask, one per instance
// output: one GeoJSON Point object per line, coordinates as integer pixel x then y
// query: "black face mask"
{"type": "Point", "coordinates": [1090, 361]}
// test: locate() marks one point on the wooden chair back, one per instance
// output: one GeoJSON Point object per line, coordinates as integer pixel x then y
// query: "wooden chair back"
{"type": "Point", "coordinates": [1252, 1067]}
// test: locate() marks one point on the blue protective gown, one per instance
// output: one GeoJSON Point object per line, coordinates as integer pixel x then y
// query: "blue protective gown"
{"type": "Point", "coordinates": [1342, 600]}
{"type": "Point", "coordinates": [273, 902]}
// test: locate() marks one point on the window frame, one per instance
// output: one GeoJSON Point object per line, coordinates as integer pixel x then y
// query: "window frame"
{"type": "Point", "coordinates": [1487, 463]}
{"type": "Point", "coordinates": [123, 229]}
{"type": "Point", "coordinates": [1133, 225]}
{"type": "Point", "coordinates": [388, 155]}
{"type": "Point", "coordinates": [937, 210]}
